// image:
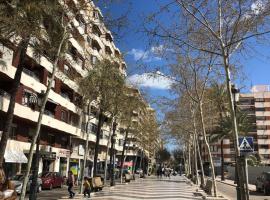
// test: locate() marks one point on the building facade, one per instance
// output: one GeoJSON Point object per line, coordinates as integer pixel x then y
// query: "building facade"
{"type": "Point", "coordinates": [256, 106]}
{"type": "Point", "coordinates": [63, 132]}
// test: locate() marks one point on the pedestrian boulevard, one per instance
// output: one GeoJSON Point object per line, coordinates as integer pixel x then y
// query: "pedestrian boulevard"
{"type": "Point", "coordinates": [149, 188]}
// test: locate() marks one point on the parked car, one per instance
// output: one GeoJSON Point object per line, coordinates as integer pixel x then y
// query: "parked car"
{"type": "Point", "coordinates": [17, 180]}
{"type": "Point", "coordinates": [139, 171]}
{"type": "Point", "coordinates": [263, 183]}
{"type": "Point", "coordinates": [52, 180]}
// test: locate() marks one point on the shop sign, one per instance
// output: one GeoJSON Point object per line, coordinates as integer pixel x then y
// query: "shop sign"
{"type": "Point", "coordinates": [64, 153]}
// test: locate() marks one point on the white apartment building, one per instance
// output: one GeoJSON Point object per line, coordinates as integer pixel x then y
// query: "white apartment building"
{"type": "Point", "coordinates": [62, 135]}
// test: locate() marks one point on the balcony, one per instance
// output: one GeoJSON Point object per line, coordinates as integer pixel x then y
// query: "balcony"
{"type": "Point", "coordinates": [32, 74]}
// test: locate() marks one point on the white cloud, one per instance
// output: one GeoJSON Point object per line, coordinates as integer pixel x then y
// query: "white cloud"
{"type": "Point", "coordinates": [147, 56]}
{"type": "Point", "coordinates": [150, 80]}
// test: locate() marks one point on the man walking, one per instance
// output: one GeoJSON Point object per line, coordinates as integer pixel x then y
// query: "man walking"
{"type": "Point", "coordinates": [70, 183]}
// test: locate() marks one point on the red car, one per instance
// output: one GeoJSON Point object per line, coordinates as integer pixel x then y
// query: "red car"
{"type": "Point", "coordinates": [52, 180]}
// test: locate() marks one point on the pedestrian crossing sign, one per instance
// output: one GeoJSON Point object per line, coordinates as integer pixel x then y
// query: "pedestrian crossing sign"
{"type": "Point", "coordinates": [246, 145]}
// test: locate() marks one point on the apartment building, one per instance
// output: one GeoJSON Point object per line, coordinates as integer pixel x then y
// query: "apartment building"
{"type": "Point", "coordinates": [62, 135]}
{"type": "Point", "coordinates": [256, 105]}
{"type": "Point", "coordinates": [141, 147]}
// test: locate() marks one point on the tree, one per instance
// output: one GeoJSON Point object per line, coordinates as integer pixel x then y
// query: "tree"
{"type": "Point", "coordinates": [104, 84]}
{"type": "Point", "coordinates": [19, 19]}
{"type": "Point", "coordinates": [164, 155]}
{"type": "Point", "coordinates": [192, 74]}
{"type": "Point", "coordinates": [132, 104]}
{"type": "Point", "coordinates": [56, 36]}
{"type": "Point", "coordinates": [220, 28]}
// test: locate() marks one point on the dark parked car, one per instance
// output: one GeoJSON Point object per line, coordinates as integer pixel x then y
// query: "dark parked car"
{"type": "Point", "coordinates": [263, 183]}
{"type": "Point", "coordinates": [52, 180]}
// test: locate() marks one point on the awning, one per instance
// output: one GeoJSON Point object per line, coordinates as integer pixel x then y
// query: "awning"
{"type": "Point", "coordinates": [12, 156]}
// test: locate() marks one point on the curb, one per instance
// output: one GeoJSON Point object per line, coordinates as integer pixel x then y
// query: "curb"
{"type": "Point", "coordinates": [234, 185]}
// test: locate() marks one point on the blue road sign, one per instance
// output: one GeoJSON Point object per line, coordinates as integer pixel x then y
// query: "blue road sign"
{"type": "Point", "coordinates": [246, 145]}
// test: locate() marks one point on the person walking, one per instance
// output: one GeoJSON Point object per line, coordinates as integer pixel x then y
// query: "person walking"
{"type": "Point", "coordinates": [70, 183]}
{"type": "Point", "coordinates": [87, 187]}
{"type": "Point", "coordinates": [159, 172]}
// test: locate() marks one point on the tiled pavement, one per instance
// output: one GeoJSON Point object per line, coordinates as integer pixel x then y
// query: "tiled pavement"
{"type": "Point", "coordinates": [151, 188]}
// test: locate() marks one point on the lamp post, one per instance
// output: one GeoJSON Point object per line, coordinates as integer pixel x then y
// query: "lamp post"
{"type": "Point", "coordinates": [235, 92]}
{"type": "Point", "coordinates": [112, 156]}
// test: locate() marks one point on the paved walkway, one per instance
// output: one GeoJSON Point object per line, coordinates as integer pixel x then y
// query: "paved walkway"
{"type": "Point", "coordinates": [151, 188]}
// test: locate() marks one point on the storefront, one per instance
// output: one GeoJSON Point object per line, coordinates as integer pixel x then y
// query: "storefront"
{"type": "Point", "coordinates": [13, 162]}
{"type": "Point", "coordinates": [48, 160]}
{"type": "Point", "coordinates": [64, 156]}
{"type": "Point", "coordinates": [74, 167]}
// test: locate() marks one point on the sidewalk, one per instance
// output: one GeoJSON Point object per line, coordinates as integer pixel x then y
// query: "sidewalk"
{"type": "Point", "coordinates": [231, 182]}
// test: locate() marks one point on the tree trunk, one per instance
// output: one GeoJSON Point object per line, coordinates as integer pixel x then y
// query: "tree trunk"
{"type": "Point", "coordinates": [107, 152]}
{"type": "Point", "coordinates": [123, 155]}
{"type": "Point", "coordinates": [234, 122]}
{"type": "Point", "coordinates": [189, 160]}
{"type": "Point", "coordinates": [86, 148]}
{"type": "Point", "coordinates": [34, 185]}
{"type": "Point", "coordinates": [208, 149]}
{"type": "Point", "coordinates": [195, 160]}
{"type": "Point", "coordinates": [100, 124]}
{"type": "Point", "coordinates": [112, 154]}
{"type": "Point", "coordinates": [197, 145]}
{"type": "Point", "coordinates": [201, 163]}
{"type": "Point", "coordinates": [222, 160]}
{"type": "Point", "coordinates": [37, 130]}
{"type": "Point", "coordinates": [21, 52]}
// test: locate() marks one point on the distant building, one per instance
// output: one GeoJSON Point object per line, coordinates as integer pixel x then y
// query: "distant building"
{"type": "Point", "coordinates": [256, 105]}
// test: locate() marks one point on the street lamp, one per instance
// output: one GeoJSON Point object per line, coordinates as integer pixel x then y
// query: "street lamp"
{"type": "Point", "coordinates": [235, 92]}
{"type": "Point", "coordinates": [112, 154]}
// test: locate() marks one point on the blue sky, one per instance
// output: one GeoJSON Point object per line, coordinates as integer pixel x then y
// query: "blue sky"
{"type": "Point", "coordinates": [135, 44]}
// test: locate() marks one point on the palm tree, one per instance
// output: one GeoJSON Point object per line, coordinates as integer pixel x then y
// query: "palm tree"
{"type": "Point", "coordinates": [225, 128]}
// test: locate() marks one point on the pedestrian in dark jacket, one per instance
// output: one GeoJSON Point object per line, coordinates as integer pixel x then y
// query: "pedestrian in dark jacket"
{"type": "Point", "coordinates": [70, 183]}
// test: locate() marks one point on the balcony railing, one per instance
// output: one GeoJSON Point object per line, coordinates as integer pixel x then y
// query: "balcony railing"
{"type": "Point", "coordinates": [32, 74]}
{"type": "Point", "coordinates": [49, 113]}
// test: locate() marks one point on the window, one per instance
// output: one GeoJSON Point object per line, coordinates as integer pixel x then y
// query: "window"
{"type": "Point", "coordinates": [263, 146]}
{"type": "Point", "coordinates": [260, 109]}
{"type": "Point", "coordinates": [93, 60]}
{"type": "Point", "coordinates": [89, 40]}
{"type": "Point", "coordinates": [261, 127]}
{"type": "Point", "coordinates": [262, 136]}
{"type": "Point", "coordinates": [64, 115]}
{"type": "Point", "coordinates": [95, 14]}
{"type": "Point", "coordinates": [260, 118]}
{"type": "Point", "coordinates": [66, 69]}
{"type": "Point", "coordinates": [259, 100]}
{"type": "Point", "coordinates": [94, 128]}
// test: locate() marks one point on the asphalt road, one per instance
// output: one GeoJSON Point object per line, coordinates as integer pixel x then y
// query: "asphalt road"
{"type": "Point", "coordinates": [230, 192]}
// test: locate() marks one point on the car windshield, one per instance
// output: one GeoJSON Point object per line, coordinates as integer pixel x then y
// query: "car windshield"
{"type": "Point", "coordinates": [48, 174]}
{"type": "Point", "coordinates": [17, 177]}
